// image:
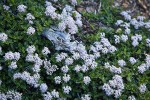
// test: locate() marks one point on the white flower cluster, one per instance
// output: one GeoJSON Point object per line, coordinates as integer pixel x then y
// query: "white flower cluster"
{"type": "Point", "coordinates": [31, 57]}
{"type": "Point", "coordinates": [118, 38]}
{"type": "Point", "coordinates": [142, 88]}
{"type": "Point", "coordinates": [3, 37]}
{"type": "Point", "coordinates": [68, 61]}
{"type": "Point", "coordinates": [136, 22]}
{"type": "Point", "coordinates": [66, 78]}
{"type": "Point", "coordinates": [11, 95]}
{"type": "Point", "coordinates": [22, 8]}
{"type": "Point", "coordinates": [132, 97]}
{"type": "Point", "coordinates": [124, 38]}
{"type": "Point", "coordinates": [73, 2]}
{"type": "Point", "coordinates": [114, 87]}
{"type": "Point", "coordinates": [148, 42]}
{"type": "Point", "coordinates": [60, 57]}
{"type": "Point", "coordinates": [67, 21]}
{"type": "Point", "coordinates": [145, 66]}
{"type": "Point", "coordinates": [86, 80]}
{"type": "Point", "coordinates": [6, 7]}
{"type": "Point", "coordinates": [67, 89]}
{"type": "Point", "coordinates": [50, 96]}
{"type": "Point", "coordinates": [113, 69]}
{"type": "Point", "coordinates": [86, 97]}
{"type": "Point", "coordinates": [43, 87]}
{"type": "Point", "coordinates": [31, 49]}
{"type": "Point", "coordinates": [135, 40]}
{"type": "Point", "coordinates": [13, 65]}
{"type": "Point", "coordinates": [65, 69]}
{"type": "Point", "coordinates": [121, 63]}
{"type": "Point", "coordinates": [45, 51]}
{"type": "Point", "coordinates": [132, 60]}
{"type": "Point", "coordinates": [31, 80]}
{"type": "Point", "coordinates": [12, 56]}
{"type": "Point", "coordinates": [50, 69]}
{"type": "Point", "coordinates": [30, 30]}
{"type": "Point", "coordinates": [104, 46]}
{"type": "Point", "coordinates": [30, 18]}
{"type": "Point", "coordinates": [57, 80]}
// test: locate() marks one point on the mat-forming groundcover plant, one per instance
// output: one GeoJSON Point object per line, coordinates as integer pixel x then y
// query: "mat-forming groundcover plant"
{"type": "Point", "coordinates": [108, 65]}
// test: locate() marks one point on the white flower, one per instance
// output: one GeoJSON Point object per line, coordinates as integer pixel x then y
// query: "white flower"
{"type": "Point", "coordinates": [84, 68]}
{"type": "Point", "coordinates": [57, 79]}
{"type": "Point", "coordinates": [117, 39]}
{"type": "Point", "coordinates": [6, 7]}
{"type": "Point", "coordinates": [66, 78]}
{"type": "Point", "coordinates": [68, 61]}
{"type": "Point", "coordinates": [124, 38]}
{"type": "Point", "coordinates": [47, 96]}
{"type": "Point", "coordinates": [108, 90]}
{"type": "Point", "coordinates": [22, 8]}
{"type": "Point", "coordinates": [55, 94]}
{"type": "Point", "coordinates": [9, 56]}
{"type": "Point", "coordinates": [13, 65]}
{"type": "Point", "coordinates": [45, 51]}
{"type": "Point", "coordinates": [118, 22]}
{"type": "Point", "coordinates": [30, 30]}
{"type": "Point", "coordinates": [43, 87]}
{"type": "Point", "coordinates": [135, 43]}
{"type": "Point", "coordinates": [31, 49]}
{"type": "Point", "coordinates": [30, 58]}
{"type": "Point", "coordinates": [104, 50]}
{"type": "Point", "coordinates": [86, 80]}
{"type": "Point", "coordinates": [117, 93]}
{"type": "Point", "coordinates": [132, 97]}
{"type": "Point", "coordinates": [132, 60]}
{"type": "Point", "coordinates": [148, 42]}
{"type": "Point", "coordinates": [16, 56]}
{"type": "Point", "coordinates": [97, 55]}
{"type": "Point", "coordinates": [73, 2]}
{"type": "Point", "coordinates": [127, 31]}
{"type": "Point", "coordinates": [76, 55]}
{"type": "Point", "coordinates": [65, 69]}
{"type": "Point", "coordinates": [147, 61]}
{"type": "Point", "coordinates": [77, 68]}
{"type": "Point", "coordinates": [12, 95]}
{"type": "Point", "coordinates": [47, 3]}
{"type": "Point", "coordinates": [112, 49]}
{"type": "Point", "coordinates": [140, 18]}
{"type": "Point", "coordinates": [67, 89]}
{"type": "Point", "coordinates": [142, 88]}
{"type": "Point", "coordinates": [121, 63]}
{"type": "Point", "coordinates": [142, 68]}
{"type": "Point", "coordinates": [30, 17]}
{"type": "Point", "coordinates": [3, 37]}
{"type": "Point", "coordinates": [50, 11]}
{"type": "Point", "coordinates": [86, 97]}
{"type": "Point", "coordinates": [115, 70]}
{"type": "Point", "coordinates": [36, 68]}
{"type": "Point", "coordinates": [107, 65]}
